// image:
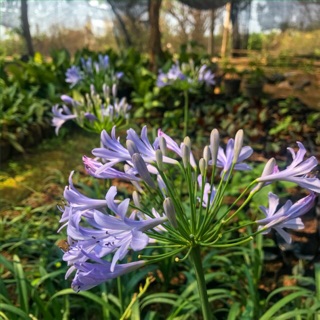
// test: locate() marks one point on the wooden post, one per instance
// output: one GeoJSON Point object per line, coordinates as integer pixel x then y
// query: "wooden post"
{"type": "Point", "coordinates": [226, 30]}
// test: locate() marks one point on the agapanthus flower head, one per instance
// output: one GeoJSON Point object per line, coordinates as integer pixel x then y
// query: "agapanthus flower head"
{"type": "Point", "coordinates": [173, 75]}
{"type": "Point", "coordinates": [186, 76]}
{"type": "Point", "coordinates": [73, 75]}
{"type": "Point", "coordinates": [94, 72]}
{"type": "Point", "coordinates": [173, 205]}
{"type": "Point", "coordinates": [92, 112]}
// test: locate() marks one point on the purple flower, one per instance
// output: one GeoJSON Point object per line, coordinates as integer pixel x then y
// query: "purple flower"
{"type": "Point", "coordinates": [119, 74]}
{"type": "Point", "coordinates": [296, 172]}
{"type": "Point", "coordinates": [105, 171]}
{"type": "Point", "coordinates": [224, 159]}
{"type": "Point", "coordinates": [87, 65]}
{"type": "Point", "coordinates": [90, 116]}
{"type": "Point", "coordinates": [103, 62]}
{"type": "Point", "coordinates": [60, 116]}
{"type": "Point", "coordinates": [162, 80]}
{"type": "Point", "coordinates": [100, 232]}
{"type": "Point", "coordinates": [209, 192]}
{"type": "Point", "coordinates": [73, 76]}
{"type": "Point", "coordinates": [206, 76]}
{"type": "Point", "coordinates": [78, 200]}
{"type": "Point", "coordinates": [113, 152]}
{"type": "Point", "coordinates": [173, 146]}
{"type": "Point", "coordinates": [173, 74]}
{"type": "Point", "coordinates": [288, 216]}
{"type": "Point", "coordinates": [89, 275]}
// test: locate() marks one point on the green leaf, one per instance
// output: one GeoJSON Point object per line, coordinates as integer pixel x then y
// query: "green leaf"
{"type": "Point", "coordinates": [14, 310]}
{"type": "Point", "coordinates": [21, 284]}
{"type": "Point", "coordinates": [88, 295]}
{"type": "Point", "coordinates": [281, 303]}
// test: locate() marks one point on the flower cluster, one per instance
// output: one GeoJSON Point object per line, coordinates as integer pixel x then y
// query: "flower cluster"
{"type": "Point", "coordinates": [93, 72]}
{"type": "Point", "coordinates": [186, 74]}
{"type": "Point", "coordinates": [177, 202]}
{"type": "Point", "coordinates": [92, 112]}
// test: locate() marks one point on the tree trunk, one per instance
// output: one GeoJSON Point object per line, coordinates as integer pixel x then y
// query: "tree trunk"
{"type": "Point", "coordinates": [226, 31]}
{"type": "Point", "coordinates": [122, 24]}
{"type": "Point", "coordinates": [155, 35]}
{"type": "Point", "coordinates": [236, 38]}
{"type": "Point", "coordinates": [26, 28]}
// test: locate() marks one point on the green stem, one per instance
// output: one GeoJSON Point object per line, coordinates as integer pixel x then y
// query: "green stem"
{"type": "Point", "coordinates": [196, 260]}
{"type": "Point", "coordinates": [186, 112]}
{"type": "Point", "coordinates": [119, 285]}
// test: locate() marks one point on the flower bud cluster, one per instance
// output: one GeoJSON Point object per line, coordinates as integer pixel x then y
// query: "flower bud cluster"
{"type": "Point", "coordinates": [93, 112]}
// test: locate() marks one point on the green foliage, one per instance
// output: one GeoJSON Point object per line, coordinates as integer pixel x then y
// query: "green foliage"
{"type": "Point", "coordinates": [19, 109]}
{"type": "Point", "coordinates": [255, 41]}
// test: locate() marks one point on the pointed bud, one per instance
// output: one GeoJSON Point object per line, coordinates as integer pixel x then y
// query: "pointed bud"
{"type": "Point", "coordinates": [214, 145]}
{"type": "Point", "coordinates": [203, 167]}
{"type": "Point", "coordinates": [163, 145]}
{"type": "Point", "coordinates": [268, 169]}
{"type": "Point", "coordinates": [114, 90]}
{"type": "Point", "coordinates": [136, 199]}
{"type": "Point", "coordinates": [159, 159]}
{"type": "Point", "coordinates": [106, 91]}
{"type": "Point", "coordinates": [131, 147]}
{"type": "Point", "coordinates": [170, 212]}
{"type": "Point", "coordinates": [238, 143]}
{"type": "Point", "coordinates": [142, 169]}
{"type": "Point", "coordinates": [162, 186]}
{"type": "Point", "coordinates": [185, 155]}
{"type": "Point", "coordinates": [206, 154]}
{"type": "Point", "coordinates": [187, 142]}
{"type": "Point", "coordinates": [92, 90]}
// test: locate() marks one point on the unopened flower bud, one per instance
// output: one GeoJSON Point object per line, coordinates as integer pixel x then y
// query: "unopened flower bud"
{"type": "Point", "coordinates": [170, 212]}
{"type": "Point", "coordinates": [142, 169]}
{"type": "Point", "coordinates": [187, 142]}
{"type": "Point", "coordinates": [159, 159]}
{"type": "Point", "coordinates": [268, 169]}
{"type": "Point", "coordinates": [203, 166]}
{"type": "Point", "coordinates": [114, 90]}
{"type": "Point", "coordinates": [92, 90]}
{"type": "Point", "coordinates": [185, 155]}
{"type": "Point", "coordinates": [214, 145]}
{"type": "Point", "coordinates": [163, 145]}
{"type": "Point", "coordinates": [162, 186]}
{"type": "Point", "coordinates": [132, 148]}
{"type": "Point", "coordinates": [206, 154]}
{"type": "Point", "coordinates": [238, 143]}
{"type": "Point", "coordinates": [136, 199]}
{"type": "Point", "coordinates": [106, 91]}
